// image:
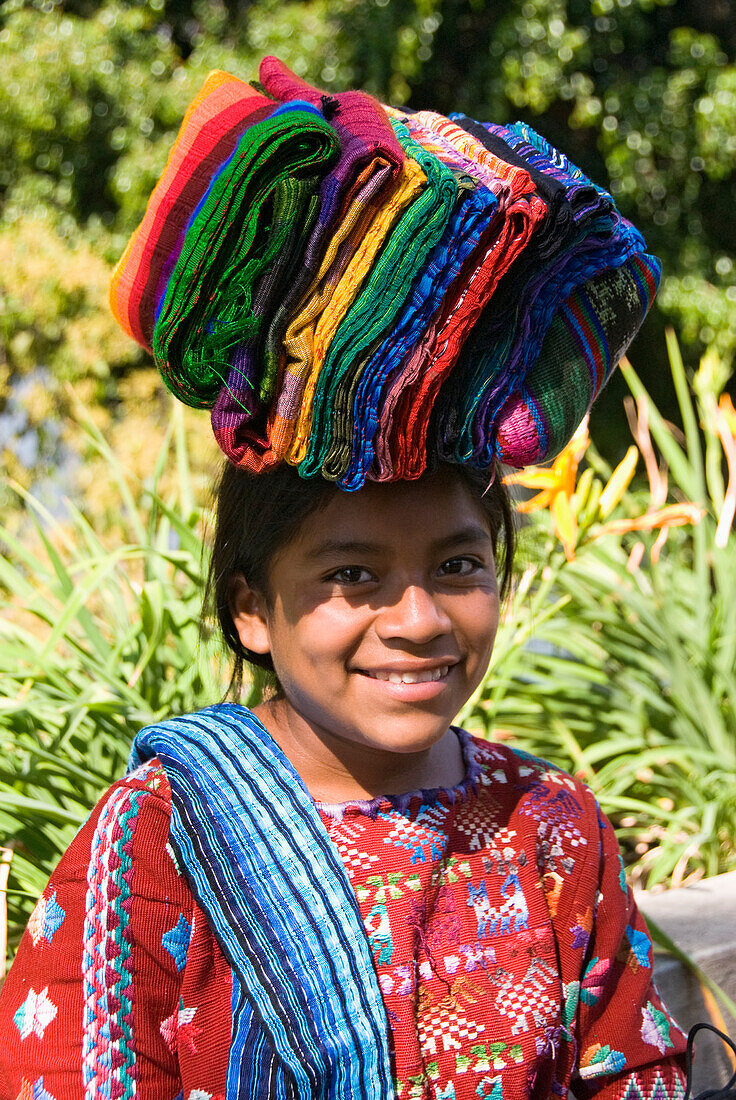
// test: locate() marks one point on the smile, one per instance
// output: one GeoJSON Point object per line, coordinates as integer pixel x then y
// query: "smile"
{"type": "Point", "coordinates": [423, 677]}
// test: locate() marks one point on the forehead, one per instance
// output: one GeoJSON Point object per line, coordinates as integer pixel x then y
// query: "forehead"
{"type": "Point", "coordinates": [432, 508]}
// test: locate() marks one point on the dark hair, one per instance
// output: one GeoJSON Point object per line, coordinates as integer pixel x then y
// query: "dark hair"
{"type": "Point", "coordinates": [258, 514]}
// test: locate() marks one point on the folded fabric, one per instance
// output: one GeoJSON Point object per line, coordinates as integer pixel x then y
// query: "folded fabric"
{"type": "Point", "coordinates": [508, 337]}
{"type": "Point", "coordinates": [206, 305]}
{"type": "Point", "coordinates": [377, 307]}
{"type": "Point", "coordinates": [360, 290]}
{"type": "Point", "coordinates": [350, 456]}
{"type": "Point", "coordinates": [586, 339]}
{"type": "Point", "coordinates": [368, 149]}
{"type": "Point", "coordinates": [211, 128]}
{"type": "Point", "coordinates": [367, 145]}
{"type": "Point", "coordinates": [295, 206]}
{"type": "Point", "coordinates": [405, 450]}
{"type": "Point", "coordinates": [260, 442]}
{"type": "Point", "coordinates": [411, 184]}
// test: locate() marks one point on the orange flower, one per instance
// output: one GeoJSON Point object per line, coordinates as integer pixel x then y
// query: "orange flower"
{"type": "Point", "coordinates": [673, 515]}
{"type": "Point", "coordinates": [557, 485]}
{"type": "Point", "coordinates": [725, 405]}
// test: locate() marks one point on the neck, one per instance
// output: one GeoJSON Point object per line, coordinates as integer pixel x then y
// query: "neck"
{"type": "Point", "coordinates": [338, 770]}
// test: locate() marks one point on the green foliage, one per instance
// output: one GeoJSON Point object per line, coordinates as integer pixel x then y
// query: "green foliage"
{"type": "Point", "coordinates": [639, 92]}
{"type": "Point", "coordinates": [630, 680]}
{"type": "Point", "coordinates": [95, 643]}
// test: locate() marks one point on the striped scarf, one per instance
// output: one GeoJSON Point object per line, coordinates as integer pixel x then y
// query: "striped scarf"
{"type": "Point", "coordinates": [308, 1017]}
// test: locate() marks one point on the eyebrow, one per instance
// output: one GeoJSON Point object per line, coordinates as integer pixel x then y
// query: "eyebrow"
{"type": "Point", "coordinates": [473, 533]}
{"type": "Point", "coordinates": [470, 534]}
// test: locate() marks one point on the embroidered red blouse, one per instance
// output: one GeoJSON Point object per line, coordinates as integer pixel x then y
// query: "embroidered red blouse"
{"type": "Point", "coordinates": [511, 957]}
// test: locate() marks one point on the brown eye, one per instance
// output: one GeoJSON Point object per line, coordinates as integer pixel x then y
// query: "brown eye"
{"type": "Point", "coordinates": [459, 567]}
{"type": "Point", "coordinates": [351, 574]}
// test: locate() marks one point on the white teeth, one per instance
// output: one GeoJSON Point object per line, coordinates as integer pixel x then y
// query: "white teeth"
{"type": "Point", "coordinates": [412, 677]}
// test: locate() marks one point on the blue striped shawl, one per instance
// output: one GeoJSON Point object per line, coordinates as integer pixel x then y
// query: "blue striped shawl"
{"type": "Point", "coordinates": [308, 1017]}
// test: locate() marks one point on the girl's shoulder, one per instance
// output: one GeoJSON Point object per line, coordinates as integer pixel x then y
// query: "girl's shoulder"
{"type": "Point", "coordinates": [531, 787]}
{"type": "Point", "coordinates": [124, 841]}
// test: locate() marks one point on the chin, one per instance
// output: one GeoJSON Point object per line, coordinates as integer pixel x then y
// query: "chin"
{"type": "Point", "coordinates": [405, 737]}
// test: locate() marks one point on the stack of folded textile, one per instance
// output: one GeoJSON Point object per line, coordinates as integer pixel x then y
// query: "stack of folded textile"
{"type": "Point", "coordinates": [360, 291]}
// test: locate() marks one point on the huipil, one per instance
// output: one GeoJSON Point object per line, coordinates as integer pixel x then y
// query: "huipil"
{"type": "Point", "coordinates": [510, 955]}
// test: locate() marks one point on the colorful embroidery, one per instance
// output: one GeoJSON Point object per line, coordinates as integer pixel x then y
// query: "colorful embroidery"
{"type": "Point", "coordinates": [593, 983]}
{"type": "Point", "coordinates": [46, 919]}
{"type": "Point", "coordinates": [599, 1060]}
{"type": "Point", "coordinates": [379, 934]}
{"type": "Point", "coordinates": [176, 941]}
{"type": "Point", "coordinates": [532, 1001]}
{"type": "Point", "coordinates": [35, 1014]}
{"type": "Point", "coordinates": [660, 1089]}
{"type": "Point", "coordinates": [640, 946]}
{"type": "Point", "coordinates": [511, 915]}
{"type": "Point", "coordinates": [582, 928]}
{"type": "Point", "coordinates": [346, 840]}
{"type": "Point", "coordinates": [455, 895]}
{"type": "Point", "coordinates": [109, 1046]}
{"type": "Point", "coordinates": [423, 837]}
{"type": "Point", "coordinates": [655, 1028]}
{"type": "Point", "coordinates": [34, 1091]}
{"type": "Point", "coordinates": [179, 1030]}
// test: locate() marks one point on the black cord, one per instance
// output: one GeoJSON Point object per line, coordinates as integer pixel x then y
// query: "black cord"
{"type": "Point", "coordinates": [726, 1092]}
{"type": "Point", "coordinates": [330, 106]}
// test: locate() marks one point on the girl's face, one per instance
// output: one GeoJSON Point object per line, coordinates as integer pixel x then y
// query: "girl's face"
{"type": "Point", "coordinates": [382, 616]}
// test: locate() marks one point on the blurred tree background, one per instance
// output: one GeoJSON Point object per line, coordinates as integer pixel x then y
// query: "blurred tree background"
{"type": "Point", "coordinates": [640, 93]}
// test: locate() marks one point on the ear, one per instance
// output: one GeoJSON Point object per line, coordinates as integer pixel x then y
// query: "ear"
{"type": "Point", "coordinates": [249, 614]}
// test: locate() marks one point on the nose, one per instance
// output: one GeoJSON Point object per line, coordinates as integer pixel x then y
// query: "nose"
{"type": "Point", "coordinates": [415, 616]}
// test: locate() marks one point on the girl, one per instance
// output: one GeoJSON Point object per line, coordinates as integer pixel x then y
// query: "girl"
{"type": "Point", "coordinates": [339, 894]}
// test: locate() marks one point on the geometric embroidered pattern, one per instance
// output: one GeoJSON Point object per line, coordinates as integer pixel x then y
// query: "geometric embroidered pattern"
{"type": "Point", "coordinates": [655, 1028]}
{"type": "Point", "coordinates": [35, 1014]}
{"type": "Point", "coordinates": [346, 836]}
{"type": "Point", "coordinates": [480, 826]}
{"type": "Point", "coordinates": [46, 918]}
{"type": "Point", "coordinates": [598, 1061]}
{"type": "Point", "coordinates": [34, 1091]}
{"type": "Point", "coordinates": [179, 1031]}
{"type": "Point", "coordinates": [109, 1059]}
{"type": "Point", "coordinates": [176, 941]}
{"type": "Point", "coordinates": [444, 1023]}
{"type": "Point", "coordinates": [658, 1090]}
{"type": "Point", "coordinates": [536, 995]}
{"type": "Point", "coordinates": [423, 837]}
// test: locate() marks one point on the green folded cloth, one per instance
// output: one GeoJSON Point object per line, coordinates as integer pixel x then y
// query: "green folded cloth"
{"type": "Point", "coordinates": [207, 307]}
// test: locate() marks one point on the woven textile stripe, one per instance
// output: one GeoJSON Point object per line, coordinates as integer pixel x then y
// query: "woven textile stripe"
{"type": "Point", "coordinates": [368, 148]}
{"type": "Point", "coordinates": [524, 209]}
{"type": "Point", "coordinates": [379, 304]}
{"type": "Point", "coordinates": [578, 355]}
{"type": "Point", "coordinates": [242, 442]}
{"type": "Point", "coordinates": [294, 210]}
{"type": "Point", "coordinates": [285, 917]}
{"type": "Point", "coordinates": [109, 1059]}
{"type": "Point", "coordinates": [207, 137]}
{"type": "Point", "coordinates": [472, 221]}
{"type": "Point", "coordinates": [508, 339]}
{"type": "Point", "coordinates": [411, 183]}
{"type": "Point", "coordinates": [366, 141]}
{"type": "Point", "coordinates": [226, 248]}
